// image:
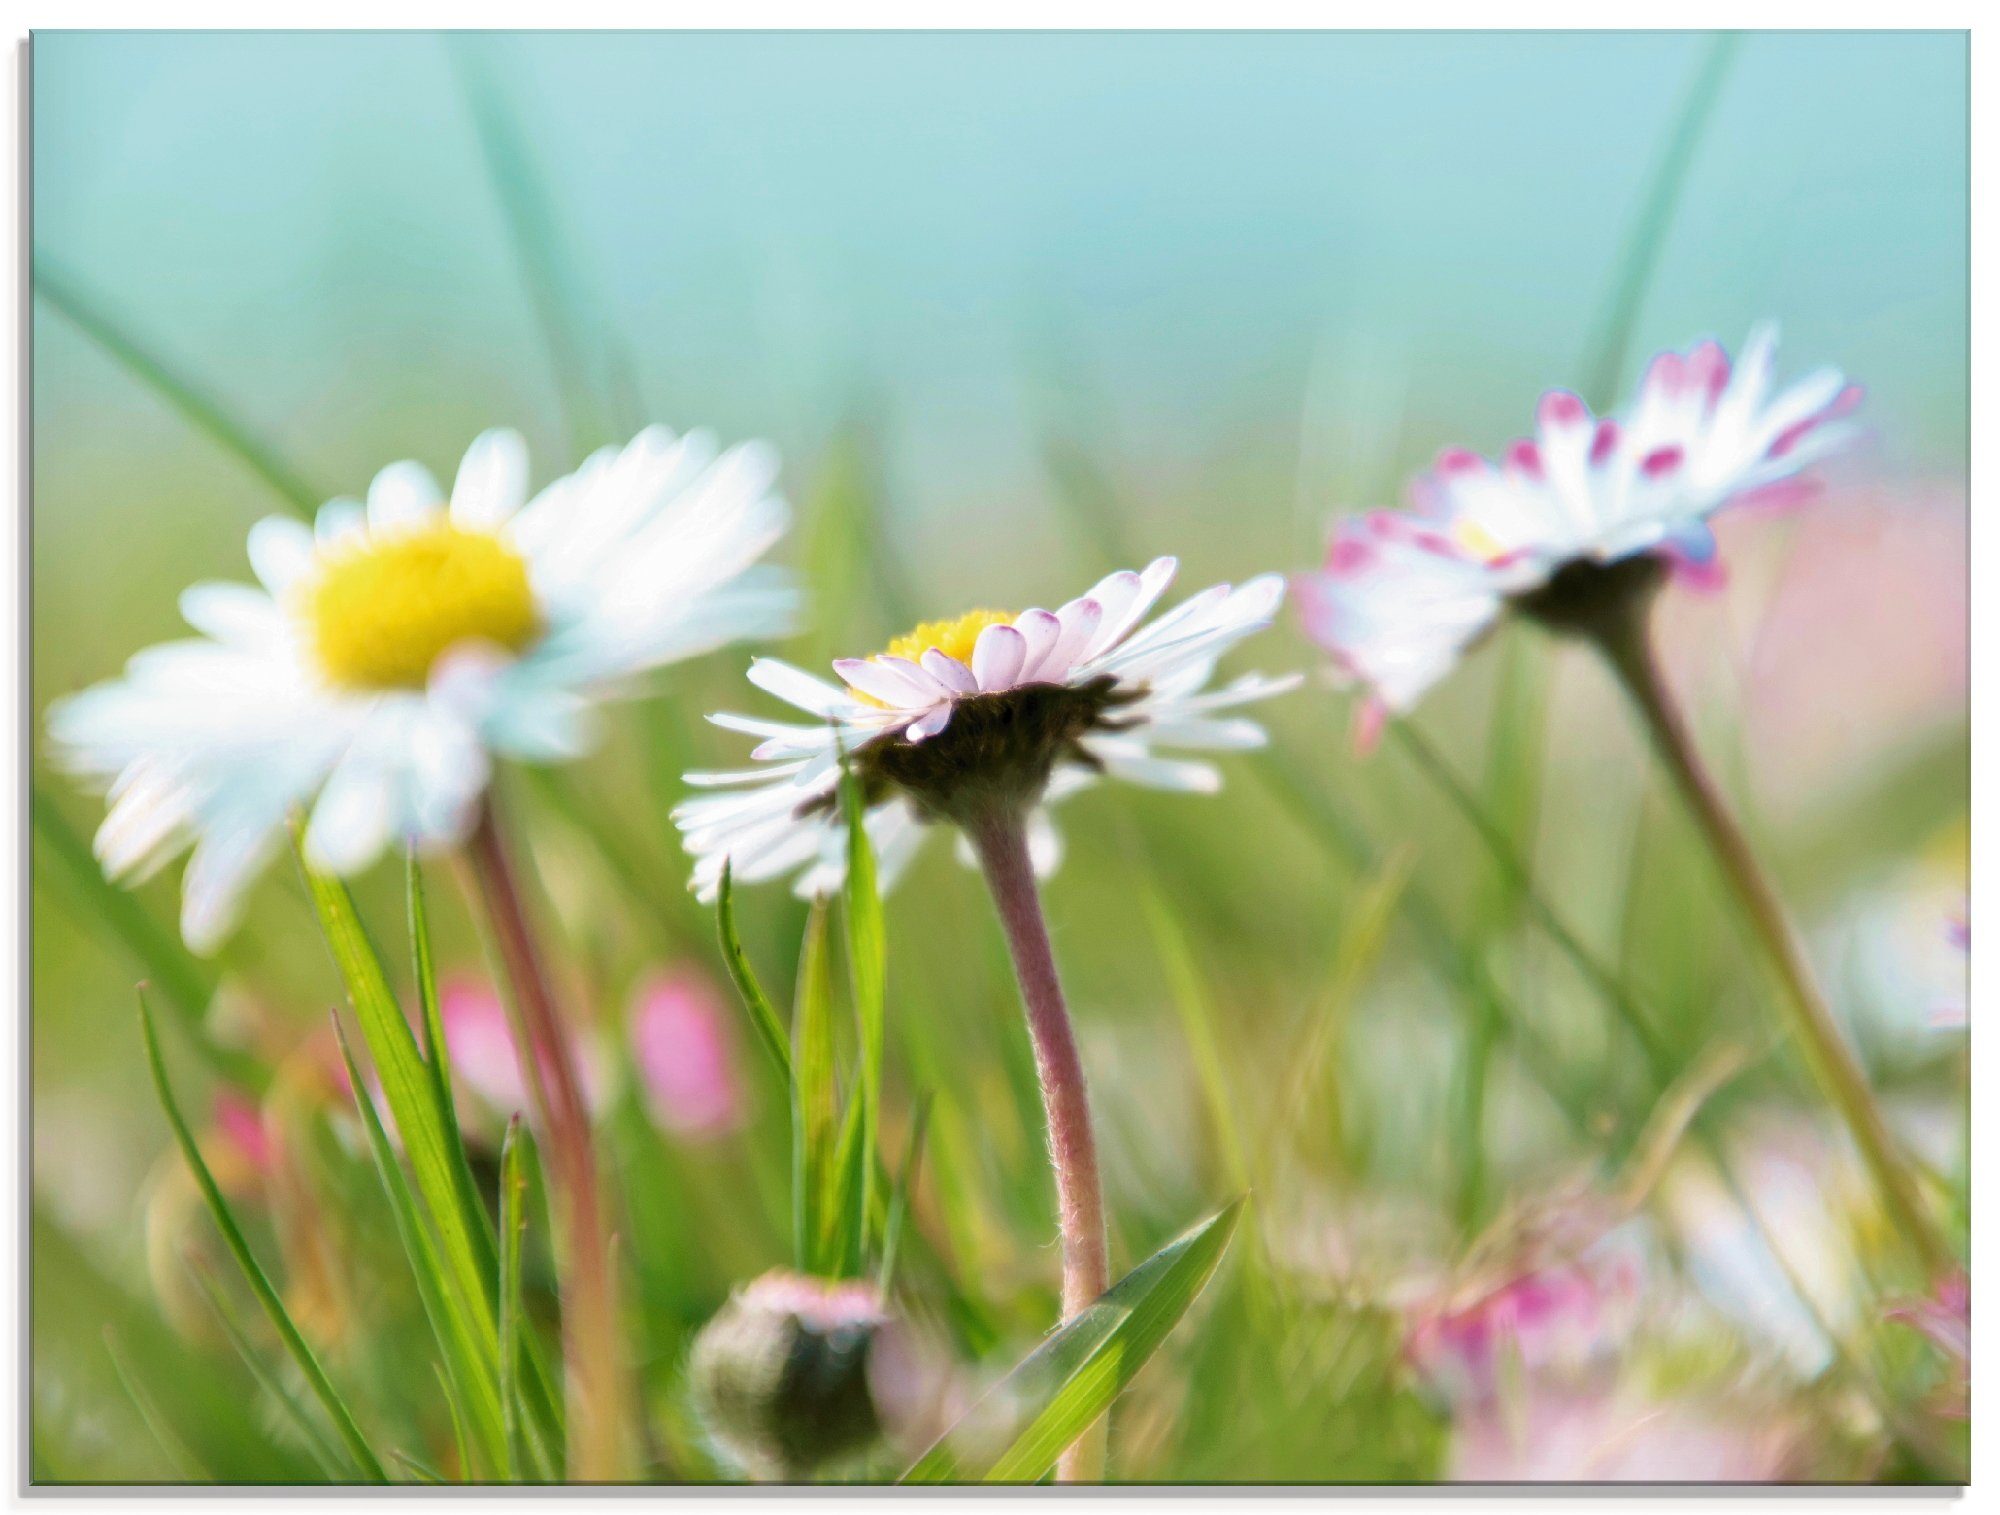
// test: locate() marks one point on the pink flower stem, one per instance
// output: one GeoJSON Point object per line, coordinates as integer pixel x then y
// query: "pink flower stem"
{"type": "Point", "coordinates": [591, 1332]}
{"type": "Point", "coordinates": [1001, 841]}
{"type": "Point", "coordinates": [1628, 648]}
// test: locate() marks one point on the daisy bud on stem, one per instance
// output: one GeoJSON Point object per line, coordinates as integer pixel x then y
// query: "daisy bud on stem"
{"type": "Point", "coordinates": [1000, 839]}
{"type": "Point", "coordinates": [1611, 607]}
{"type": "Point", "coordinates": [548, 1069]}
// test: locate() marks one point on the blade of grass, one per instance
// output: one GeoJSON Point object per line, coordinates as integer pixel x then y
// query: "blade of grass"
{"type": "Point", "coordinates": [1197, 1017]}
{"type": "Point", "coordinates": [516, 1155]}
{"type": "Point", "coordinates": [813, 1132]}
{"type": "Point", "coordinates": [1611, 338]}
{"type": "Point", "coordinates": [538, 1385]}
{"type": "Point", "coordinates": [407, 1084]}
{"type": "Point", "coordinates": [89, 315]}
{"type": "Point", "coordinates": [1061, 1388]}
{"type": "Point", "coordinates": [770, 1031]}
{"type": "Point", "coordinates": [899, 1198]}
{"type": "Point", "coordinates": [187, 1467]}
{"type": "Point", "coordinates": [318, 1447]}
{"type": "Point", "coordinates": [868, 967]}
{"type": "Point", "coordinates": [260, 1285]}
{"type": "Point", "coordinates": [157, 953]}
{"type": "Point", "coordinates": [472, 1392]}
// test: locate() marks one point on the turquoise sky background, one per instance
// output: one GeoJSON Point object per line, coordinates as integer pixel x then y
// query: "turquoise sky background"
{"type": "Point", "coordinates": [1333, 252]}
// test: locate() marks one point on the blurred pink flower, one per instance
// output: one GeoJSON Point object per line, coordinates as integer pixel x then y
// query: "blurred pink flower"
{"type": "Point", "coordinates": [1554, 1317]}
{"type": "Point", "coordinates": [1562, 1435]}
{"type": "Point", "coordinates": [480, 1041]}
{"type": "Point", "coordinates": [685, 1057]}
{"type": "Point", "coordinates": [239, 1125]}
{"type": "Point", "coordinates": [1945, 1316]}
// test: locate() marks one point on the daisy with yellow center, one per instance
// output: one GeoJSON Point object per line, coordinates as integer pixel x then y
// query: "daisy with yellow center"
{"type": "Point", "coordinates": [985, 710]}
{"type": "Point", "coordinates": [393, 649]}
{"type": "Point", "coordinates": [978, 722]}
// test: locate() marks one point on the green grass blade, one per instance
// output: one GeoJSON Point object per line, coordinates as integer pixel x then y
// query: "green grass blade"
{"type": "Point", "coordinates": [1611, 339]}
{"type": "Point", "coordinates": [158, 954]}
{"type": "Point", "coordinates": [89, 316]}
{"type": "Point", "coordinates": [899, 1199]}
{"type": "Point", "coordinates": [471, 1389]}
{"type": "Point", "coordinates": [260, 1285]}
{"type": "Point", "coordinates": [317, 1446]}
{"type": "Point", "coordinates": [180, 1457]}
{"type": "Point", "coordinates": [868, 968]}
{"type": "Point", "coordinates": [1197, 1017]}
{"type": "Point", "coordinates": [536, 1381]}
{"type": "Point", "coordinates": [764, 1021]}
{"type": "Point", "coordinates": [515, 1152]}
{"type": "Point", "coordinates": [1015, 1433]}
{"type": "Point", "coordinates": [407, 1084]}
{"type": "Point", "coordinates": [813, 1134]}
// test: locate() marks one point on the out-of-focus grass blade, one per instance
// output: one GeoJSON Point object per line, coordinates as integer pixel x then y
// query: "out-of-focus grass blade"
{"type": "Point", "coordinates": [469, 1385]}
{"type": "Point", "coordinates": [419, 1470]}
{"type": "Point", "coordinates": [868, 967]}
{"type": "Point", "coordinates": [516, 1154]}
{"type": "Point", "coordinates": [1018, 1429]}
{"type": "Point", "coordinates": [460, 1445]}
{"type": "Point", "coordinates": [322, 1451]}
{"type": "Point", "coordinates": [537, 1382]}
{"type": "Point", "coordinates": [771, 1034]}
{"type": "Point", "coordinates": [168, 966]}
{"type": "Point", "coordinates": [843, 1213]}
{"type": "Point", "coordinates": [1611, 337]}
{"type": "Point", "coordinates": [239, 1248]}
{"type": "Point", "coordinates": [899, 1200]}
{"type": "Point", "coordinates": [187, 1467]}
{"type": "Point", "coordinates": [813, 1135]}
{"type": "Point", "coordinates": [546, 268]}
{"type": "Point", "coordinates": [407, 1084]}
{"type": "Point", "coordinates": [89, 315]}
{"type": "Point", "coordinates": [1197, 1016]}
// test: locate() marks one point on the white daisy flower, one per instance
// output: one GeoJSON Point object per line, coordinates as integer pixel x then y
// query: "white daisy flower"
{"type": "Point", "coordinates": [1403, 595]}
{"type": "Point", "coordinates": [394, 649]}
{"type": "Point", "coordinates": [989, 709]}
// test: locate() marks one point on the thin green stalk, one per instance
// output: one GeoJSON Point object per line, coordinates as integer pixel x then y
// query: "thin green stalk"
{"type": "Point", "coordinates": [87, 314]}
{"type": "Point", "coordinates": [1628, 649]}
{"type": "Point", "coordinates": [260, 1285]}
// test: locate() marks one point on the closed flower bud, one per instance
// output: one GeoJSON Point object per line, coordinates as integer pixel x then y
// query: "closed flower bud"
{"type": "Point", "coordinates": [782, 1374]}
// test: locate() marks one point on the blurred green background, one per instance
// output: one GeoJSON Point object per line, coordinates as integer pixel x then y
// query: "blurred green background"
{"type": "Point", "coordinates": [1019, 309]}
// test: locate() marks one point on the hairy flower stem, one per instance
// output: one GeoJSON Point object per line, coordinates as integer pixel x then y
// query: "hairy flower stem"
{"type": "Point", "coordinates": [589, 1286]}
{"type": "Point", "coordinates": [1001, 840]}
{"type": "Point", "coordinates": [1625, 643]}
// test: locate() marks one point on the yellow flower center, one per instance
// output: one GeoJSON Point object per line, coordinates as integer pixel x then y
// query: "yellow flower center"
{"type": "Point", "coordinates": [381, 613]}
{"type": "Point", "coordinates": [953, 638]}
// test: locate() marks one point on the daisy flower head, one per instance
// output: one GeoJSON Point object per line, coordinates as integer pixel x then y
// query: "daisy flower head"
{"type": "Point", "coordinates": [990, 712]}
{"type": "Point", "coordinates": [393, 649]}
{"type": "Point", "coordinates": [1585, 514]}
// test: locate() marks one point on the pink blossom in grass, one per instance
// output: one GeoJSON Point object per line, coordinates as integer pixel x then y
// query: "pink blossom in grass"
{"type": "Point", "coordinates": [479, 1038]}
{"type": "Point", "coordinates": [239, 1125]}
{"type": "Point", "coordinates": [1945, 1316]}
{"type": "Point", "coordinates": [685, 1057]}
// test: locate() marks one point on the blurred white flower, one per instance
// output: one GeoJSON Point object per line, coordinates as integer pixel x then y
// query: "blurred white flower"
{"type": "Point", "coordinates": [1022, 708]}
{"type": "Point", "coordinates": [394, 649]}
{"type": "Point", "coordinates": [1403, 595]}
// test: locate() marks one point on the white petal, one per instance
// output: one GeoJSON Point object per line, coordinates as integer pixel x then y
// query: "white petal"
{"type": "Point", "coordinates": [351, 823]}
{"type": "Point", "coordinates": [1080, 620]}
{"type": "Point", "coordinates": [929, 724]}
{"type": "Point", "coordinates": [338, 521]}
{"type": "Point", "coordinates": [1146, 588]}
{"type": "Point", "coordinates": [492, 480]}
{"type": "Point", "coordinates": [233, 613]}
{"type": "Point", "coordinates": [1039, 630]}
{"type": "Point", "coordinates": [996, 657]}
{"type": "Point", "coordinates": [952, 675]}
{"type": "Point", "coordinates": [281, 551]}
{"type": "Point", "coordinates": [403, 494]}
{"type": "Point", "coordinates": [888, 684]}
{"type": "Point", "coordinates": [796, 687]}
